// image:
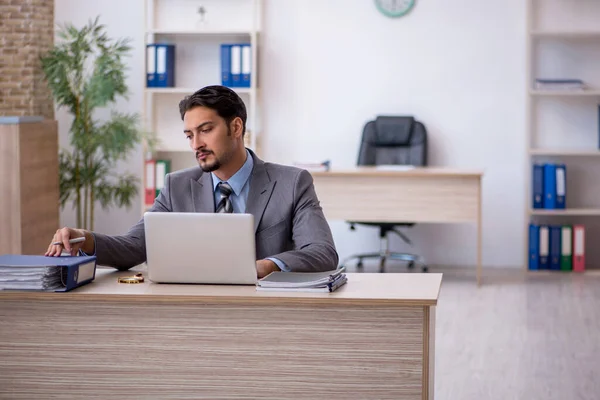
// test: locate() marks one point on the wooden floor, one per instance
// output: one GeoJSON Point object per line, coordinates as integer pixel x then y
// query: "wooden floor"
{"type": "Point", "coordinates": [519, 336]}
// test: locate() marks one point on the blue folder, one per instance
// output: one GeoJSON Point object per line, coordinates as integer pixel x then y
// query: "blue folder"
{"type": "Point", "coordinates": [550, 186]}
{"type": "Point", "coordinates": [165, 65]}
{"type": "Point", "coordinates": [75, 270]}
{"type": "Point", "coordinates": [555, 247]}
{"type": "Point", "coordinates": [538, 186]}
{"type": "Point", "coordinates": [534, 247]}
{"type": "Point", "coordinates": [561, 186]}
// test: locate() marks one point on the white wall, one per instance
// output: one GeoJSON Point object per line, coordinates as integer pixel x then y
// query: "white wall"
{"type": "Point", "coordinates": [458, 66]}
{"type": "Point", "coordinates": [123, 19]}
{"type": "Point", "coordinates": [329, 66]}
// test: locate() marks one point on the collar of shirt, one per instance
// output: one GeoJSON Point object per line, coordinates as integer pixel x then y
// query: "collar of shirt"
{"type": "Point", "coordinates": [239, 179]}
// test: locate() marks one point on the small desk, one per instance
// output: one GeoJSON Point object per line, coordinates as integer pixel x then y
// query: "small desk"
{"type": "Point", "coordinates": [374, 338]}
{"type": "Point", "coordinates": [420, 195]}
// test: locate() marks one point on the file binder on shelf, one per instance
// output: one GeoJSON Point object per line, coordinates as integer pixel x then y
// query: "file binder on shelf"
{"type": "Point", "coordinates": [165, 65]}
{"type": "Point", "coordinates": [550, 186]}
{"type": "Point", "coordinates": [226, 64]}
{"type": "Point", "coordinates": [163, 167]}
{"type": "Point", "coordinates": [555, 248]}
{"type": "Point", "coordinates": [236, 65]}
{"type": "Point", "coordinates": [246, 65]}
{"type": "Point", "coordinates": [150, 182]}
{"type": "Point", "coordinates": [578, 248]}
{"type": "Point", "coordinates": [534, 247]}
{"type": "Point", "coordinates": [41, 273]}
{"type": "Point", "coordinates": [566, 254]}
{"type": "Point", "coordinates": [561, 186]}
{"type": "Point", "coordinates": [150, 65]}
{"type": "Point", "coordinates": [544, 247]}
{"type": "Point", "coordinates": [538, 186]}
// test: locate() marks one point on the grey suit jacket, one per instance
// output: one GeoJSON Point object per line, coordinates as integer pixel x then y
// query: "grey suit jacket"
{"type": "Point", "coordinates": [288, 220]}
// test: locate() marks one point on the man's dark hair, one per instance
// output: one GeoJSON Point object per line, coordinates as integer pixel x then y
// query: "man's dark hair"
{"type": "Point", "coordinates": [223, 100]}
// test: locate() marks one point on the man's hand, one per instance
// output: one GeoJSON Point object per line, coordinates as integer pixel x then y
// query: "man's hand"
{"type": "Point", "coordinates": [265, 267]}
{"type": "Point", "coordinates": [62, 236]}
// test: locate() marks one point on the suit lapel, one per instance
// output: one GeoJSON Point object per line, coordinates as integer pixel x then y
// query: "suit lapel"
{"type": "Point", "coordinates": [261, 188]}
{"type": "Point", "coordinates": [202, 194]}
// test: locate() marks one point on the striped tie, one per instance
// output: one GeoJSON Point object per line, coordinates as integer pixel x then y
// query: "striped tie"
{"type": "Point", "coordinates": [225, 205]}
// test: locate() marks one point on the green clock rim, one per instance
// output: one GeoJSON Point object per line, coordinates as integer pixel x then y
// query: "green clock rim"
{"type": "Point", "coordinates": [395, 15]}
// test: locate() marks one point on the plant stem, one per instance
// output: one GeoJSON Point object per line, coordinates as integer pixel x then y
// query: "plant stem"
{"type": "Point", "coordinates": [77, 172]}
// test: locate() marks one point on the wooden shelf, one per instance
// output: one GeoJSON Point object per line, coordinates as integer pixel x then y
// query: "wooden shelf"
{"type": "Point", "coordinates": [565, 152]}
{"type": "Point", "coordinates": [567, 212]}
{"type": "Point", "coordinates": [182, 90]}
{"type": "Point", "coordinates": [566, 34]}
{"type": "Point", "coordinates": [168, 32]}
{"type": "Point", "coordinates": [581, 93]}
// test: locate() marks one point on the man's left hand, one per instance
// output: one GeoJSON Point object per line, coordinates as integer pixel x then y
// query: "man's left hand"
{"type": "Point", "coordinates": [265, 267]}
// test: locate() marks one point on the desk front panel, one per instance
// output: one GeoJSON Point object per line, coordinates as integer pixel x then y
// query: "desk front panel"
{"type": "Point", "coordinates": [399, 198]}
{"type": "Point", "coordinates": [161, 350]}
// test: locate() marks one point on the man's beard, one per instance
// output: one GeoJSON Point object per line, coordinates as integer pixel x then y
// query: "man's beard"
{"type": "Point", "coordinates": [211, 167]}
{"type": "Point", "coordinates": [208, 166]}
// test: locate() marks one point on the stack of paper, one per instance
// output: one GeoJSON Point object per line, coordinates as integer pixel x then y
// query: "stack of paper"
{"type": "Point", "coordinates": [36, 272]}
{"type": "Point", "coordinates": [31, 277]}
{"type": "Point", "coordinates": [327, 281]}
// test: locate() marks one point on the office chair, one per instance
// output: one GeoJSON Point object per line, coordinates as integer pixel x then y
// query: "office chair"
{"type": "Point", "coordinates": [399, 140]}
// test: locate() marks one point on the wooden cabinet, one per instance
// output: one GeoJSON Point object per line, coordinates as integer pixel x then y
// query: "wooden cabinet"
{"type": "Point", "coordinates": [29, 189]}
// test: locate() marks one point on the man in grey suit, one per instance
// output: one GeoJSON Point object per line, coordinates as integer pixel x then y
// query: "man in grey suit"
{"type": "Point", "coordinates": [291, 231]}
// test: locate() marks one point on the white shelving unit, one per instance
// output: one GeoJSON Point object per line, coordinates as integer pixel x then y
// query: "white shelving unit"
{"type": "Point", "coordinates": [197, 38]}
{"type": "Point", "coordinates": [563, 41]}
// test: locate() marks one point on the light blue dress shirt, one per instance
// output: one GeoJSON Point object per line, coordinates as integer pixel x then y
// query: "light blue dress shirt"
{"type": "Point", "coordinates": [240, 185]}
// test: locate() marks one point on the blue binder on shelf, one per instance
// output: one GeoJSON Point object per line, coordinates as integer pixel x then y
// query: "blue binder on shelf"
{"type": "Point", "coordinates": [538, 186]}
{"type": "Point", "coordinates": [544, 249]}
{"type": "Point", "coordinates": [549, 186]}
{"type": "Point", "coordinates": [165, 65]}
{"type": "Point", "coordinates": [246, 68]}
{"type": "Point", "coordinates": [235, 67]}
{"type": "Point", "coordinates": [150, 65]}
{"type": "Point", "coordinates": [534, 247]}
{"type": "Point", "coordinates": [561, 186]}
{"type": "Point", "coordinates": [41, 273]}
{"type": "Point", "coordinates": [226, 64]}
{"type": "Point", "coordinates": [555, 247]}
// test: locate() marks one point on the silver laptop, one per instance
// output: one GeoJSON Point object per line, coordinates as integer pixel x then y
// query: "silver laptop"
{"type": "Point", "coordinates": [200, 248]}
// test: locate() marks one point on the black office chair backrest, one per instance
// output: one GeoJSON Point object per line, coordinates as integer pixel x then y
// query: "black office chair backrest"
{"type": "Point", "coordinates": [393, 140]}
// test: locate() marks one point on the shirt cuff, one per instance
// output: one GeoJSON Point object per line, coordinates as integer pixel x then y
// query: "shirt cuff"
{"type": "Point", "coordinates": [82, 253]}
{"type": "Point", "coordinates": [279, 263]}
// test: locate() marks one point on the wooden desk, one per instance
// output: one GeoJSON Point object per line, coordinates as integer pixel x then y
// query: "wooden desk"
{"type": "Point", "coordinates": [374, 339]}
{"type": "Point", "coordinates": [420, 195]}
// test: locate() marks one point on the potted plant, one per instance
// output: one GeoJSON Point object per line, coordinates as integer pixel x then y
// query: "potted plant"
{"type": "Point", "coordinates": [85, 72]}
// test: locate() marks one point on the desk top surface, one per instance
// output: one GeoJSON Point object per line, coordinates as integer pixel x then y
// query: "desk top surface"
{"type": "Point", "coordinates": [392, 170]}
{"type": "Point", "coordinates": [361, 288]}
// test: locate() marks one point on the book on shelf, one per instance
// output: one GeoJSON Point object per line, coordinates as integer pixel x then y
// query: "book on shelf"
{"type": "Point", "coordinates": [328, 281]}
{"type": "Point", "coordinates": [560, 84]}
{"type": "Point", "coordinates": [42, 273]}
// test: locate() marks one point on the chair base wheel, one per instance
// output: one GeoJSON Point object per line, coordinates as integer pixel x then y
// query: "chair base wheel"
{"type": "Point", "coordinates": [425, 268]}
{"type": "Point", "coordinates": [411, 265]}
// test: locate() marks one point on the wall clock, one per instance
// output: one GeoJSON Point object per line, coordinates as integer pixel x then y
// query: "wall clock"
{"type": "Point", "coordinates": [394, 8]}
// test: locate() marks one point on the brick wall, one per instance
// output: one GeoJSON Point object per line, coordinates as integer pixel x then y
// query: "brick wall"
{"type": "Point", "coordinates": [26, 32]}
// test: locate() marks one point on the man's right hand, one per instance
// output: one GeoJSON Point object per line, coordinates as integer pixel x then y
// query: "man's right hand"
{"type": "Point", "coordinates": [62, 236]}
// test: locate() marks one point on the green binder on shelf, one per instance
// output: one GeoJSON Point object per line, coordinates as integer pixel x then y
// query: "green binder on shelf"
{"type": "Point", "coordinates": [566, 251]}
{"type": "Point", "coordinates": [163, 167]}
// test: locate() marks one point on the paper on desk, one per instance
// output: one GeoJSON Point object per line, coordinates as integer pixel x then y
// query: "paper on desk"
{"type": "Point", "coordinates": [385, 167]}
